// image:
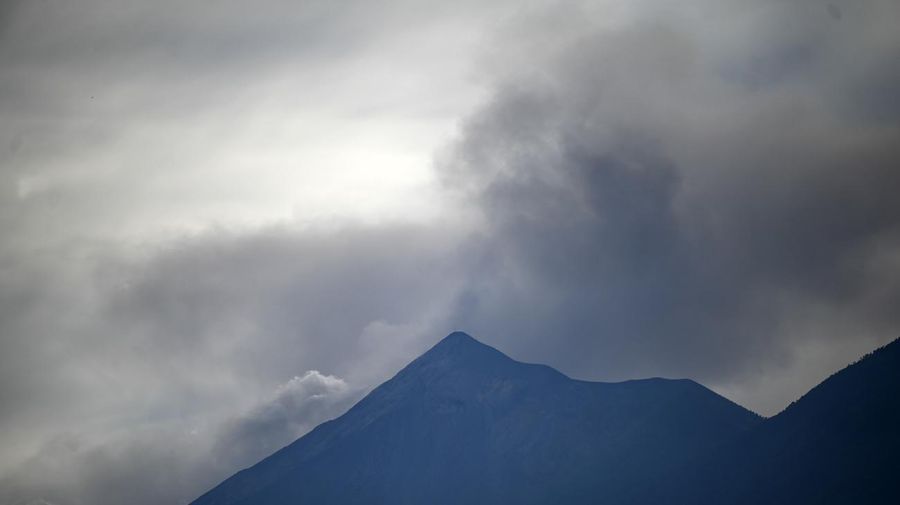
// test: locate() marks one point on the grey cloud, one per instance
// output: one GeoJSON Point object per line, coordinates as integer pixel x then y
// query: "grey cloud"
{"type": "Point", "coordinates": [178, 57]}
{"type": "Point", "coordinates": [134, 119]}
{"type": "Point", "coordinates": [117, 336]}
{"type": "Point", "coordinates": [279, 300]}
{"type": "Point", "coordinates": [171, 463]}
{"type": "Point", "coordinates": [162, 352]}
{"type": "Point", "coordinates": [656, 204]}
{"type": "Point", "coordinates": [168, 348]}
{"type": "Point", "coordinates": [658, 194]}
{"type": "Point", "coordinates": [145, 467]}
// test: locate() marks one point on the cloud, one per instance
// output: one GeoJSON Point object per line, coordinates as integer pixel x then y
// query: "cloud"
{"type": "Point", "coordinates": [296, 407]}
{"type": "Point", "coordinates": [146, 466]}
{"type": "Point", "coordinates": [136, 390]}
{"type": "Point", "coordinates": [668, 197]}
{"type": "Point", "coordinates": [198, 206]}
{"type": "Point", "coordinates": [174, 464]}
{"type": "Point", "coordinates": [238, 116]}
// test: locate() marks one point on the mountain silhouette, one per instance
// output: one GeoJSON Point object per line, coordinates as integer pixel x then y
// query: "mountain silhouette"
{"type": "Point", "coordinates": [838, 444]}
{"type": "Point", "coordinates": [465, 424]}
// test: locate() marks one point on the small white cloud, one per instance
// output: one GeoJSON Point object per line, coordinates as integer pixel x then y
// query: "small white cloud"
{"type": "Point", "coordinates": [294, 408]}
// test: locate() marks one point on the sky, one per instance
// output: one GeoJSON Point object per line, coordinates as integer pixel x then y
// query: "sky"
{"type": "Point", "coordinates": [223, 223]}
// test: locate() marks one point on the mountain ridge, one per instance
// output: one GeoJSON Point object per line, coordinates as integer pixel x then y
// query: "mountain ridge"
{"type": "Point", "coordinates": [473, 424]}
{"type": "Point", "coordinates": [835, 444]}
{"type": "Point", "coordinates": [464, 423]}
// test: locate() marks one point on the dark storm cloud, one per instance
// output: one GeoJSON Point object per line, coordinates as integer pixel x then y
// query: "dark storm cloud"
{"type": "Point", "coordinates": [659, 200]}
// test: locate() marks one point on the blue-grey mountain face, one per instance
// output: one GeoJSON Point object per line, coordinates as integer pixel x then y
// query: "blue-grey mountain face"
{"type": "Point", "coordinates": [839, 444]}
{"type": "Point", "coordinates": [463, 423]}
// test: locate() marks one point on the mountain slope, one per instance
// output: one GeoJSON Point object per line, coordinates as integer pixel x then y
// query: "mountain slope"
{"type": "Point", "coordinates": [464, 423]}
{"type": "Point", "coordinates": [840, 443]}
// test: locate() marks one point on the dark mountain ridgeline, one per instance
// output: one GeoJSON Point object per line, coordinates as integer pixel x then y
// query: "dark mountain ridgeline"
{"type": "Point", "coordinates": [838, 444]}
{"type": "Point", "coordinates": [464, 423]}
